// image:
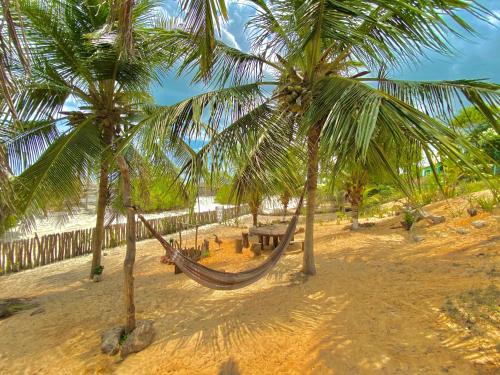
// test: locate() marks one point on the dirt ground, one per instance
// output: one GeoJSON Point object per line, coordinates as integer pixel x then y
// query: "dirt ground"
{"type": "Point", "coordinates": [375, 306]}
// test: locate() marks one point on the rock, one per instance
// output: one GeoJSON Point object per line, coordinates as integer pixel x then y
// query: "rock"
{"type": "Point", "coordinates": [479, 224]}
{"type": "Point", "coordinates": [418, 238]}
{"type": "Point", "coordinates": [40, 310]}
{"type": "Point", "coordinates": [437, 219]}
{"type": "Point", "coordinates": [96, 278]}
{"type": "Point", "coordinates": [110, 340]}
{"type": "Point", "coordinates": [462, 231]}
{"type": "Point", "coordinates": [140, 338]}
{"type": "Point", "coordinates": [105, 254]}
{"type": "Point", "coordinates": [472, 211]}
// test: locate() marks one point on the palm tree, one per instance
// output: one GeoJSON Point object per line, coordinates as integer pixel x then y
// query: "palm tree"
{"type": "Point", "coordinates": [354, 184]}
{"type": "Point", "coordinates": [329, 88]}
{"type": "Point", "coordinates": [76, 56]}
{"type": "Point", "coordinates": [103, 55]}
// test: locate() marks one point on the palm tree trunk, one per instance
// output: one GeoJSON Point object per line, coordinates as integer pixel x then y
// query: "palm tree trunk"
{"type": "Point", "coordinates": [99, 224]}
{"type": "Point", "coordinates": [355, 216]}
{"type": "Point", "coordinates": [128, 264]}
{"type": "Point", "coordinates": [285, 200]}
{"type": "Point", "coordinates": [254, 218]}
{"type": "Point", "coordinates": [308, 266]}
{"type": "Point", "coordinates": [101, 203]}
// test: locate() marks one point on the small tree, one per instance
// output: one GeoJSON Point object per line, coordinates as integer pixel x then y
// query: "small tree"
{"type": "Point", "coordinates": [354, 184]}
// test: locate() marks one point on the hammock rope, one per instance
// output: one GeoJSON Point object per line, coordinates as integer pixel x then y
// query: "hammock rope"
{"type": "Point", "coordinates": [222, 280]}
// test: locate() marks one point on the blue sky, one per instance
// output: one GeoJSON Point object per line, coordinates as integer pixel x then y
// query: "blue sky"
{"type": "Point", "coordinates": [475, 57]}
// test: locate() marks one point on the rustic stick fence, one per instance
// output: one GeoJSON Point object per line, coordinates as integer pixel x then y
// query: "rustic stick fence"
{"type": "Point", "coordinates": [39, 251]}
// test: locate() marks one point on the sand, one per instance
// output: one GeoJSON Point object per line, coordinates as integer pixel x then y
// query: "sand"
{"type": "Point", "coordinates": [373, 307]}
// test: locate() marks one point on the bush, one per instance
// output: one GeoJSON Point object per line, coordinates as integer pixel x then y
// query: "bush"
{"type": "Point", "coordinates": [98, 270]}
{"type": "Point", "coordinates": [340, 216]}
{"type": "Point", "coordinates": [408, 220]}
{"type": "Point", "coordinates": [160, 195]}
{"type": "Point", "coordinates": [486, 204]}
{"type": "Point", "coordinates": [224, 196]}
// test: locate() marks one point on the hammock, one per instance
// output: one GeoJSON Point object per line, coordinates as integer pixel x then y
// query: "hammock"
{"type": "Point", "coordinates": [227, 280]}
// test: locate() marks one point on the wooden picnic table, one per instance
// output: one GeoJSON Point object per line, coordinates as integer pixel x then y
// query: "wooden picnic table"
{"type": "Point", "coordinates": [266, 232]}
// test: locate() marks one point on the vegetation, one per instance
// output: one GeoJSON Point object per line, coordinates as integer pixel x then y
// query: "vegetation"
{"type": "Point", "coordinates": [323, 98]}
{"type": "Point", "coordinates": [313, 96]}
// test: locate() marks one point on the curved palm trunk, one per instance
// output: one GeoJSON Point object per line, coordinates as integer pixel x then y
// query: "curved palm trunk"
{"type": "Point", "coordinates": [101, 205]}
{"type": "Point", "coordinates": [100, 211]}
{"type": "Point", "coordinates": [309, 267]}
{"type": "Point", "coordinates": [128, 264]}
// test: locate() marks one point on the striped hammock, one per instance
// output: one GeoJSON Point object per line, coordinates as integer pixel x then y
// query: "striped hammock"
{"type": "Point", "coordinates": [221, 280]}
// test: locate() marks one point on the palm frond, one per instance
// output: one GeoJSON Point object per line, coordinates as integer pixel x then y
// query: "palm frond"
{"type": "Point", "coordinates": [60, 170]}
{"type": "Point", "coordinates": [443, 99]}
{"type": "Point", "coordinates": [28, 142]}
{"type": "Point", "coordinates": [356, 114]}
{"type": "Point", "coordinates": [201, 19]}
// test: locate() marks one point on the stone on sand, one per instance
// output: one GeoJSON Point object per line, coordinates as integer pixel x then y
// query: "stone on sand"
{"type": "Point", "coordinates": [479, 224]}
{"type": "Point", "coordinates": [140, 338]}
{"type": "Point", "coordinates": [110, 340]}
{"type": "Point", "coordinates": [417, 238]}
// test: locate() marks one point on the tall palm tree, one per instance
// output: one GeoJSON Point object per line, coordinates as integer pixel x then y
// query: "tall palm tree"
{"type": "Point", "coordinates": [117, 23]}
{"type": "Point", "coordinates": [79, 53]}
{"type": "Point", "coordinates": [328, 86]}
{"type": "Point", "coordinates": [111, 93]}
{"type": "Point", "coordinates": [76, 57]}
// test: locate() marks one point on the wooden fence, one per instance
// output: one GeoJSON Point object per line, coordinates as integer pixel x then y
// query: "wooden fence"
{"type": "Point", "coordinates": [35, 252]}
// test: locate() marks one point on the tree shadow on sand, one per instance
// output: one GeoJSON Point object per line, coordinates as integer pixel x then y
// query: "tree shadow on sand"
{"type": "Point", "coordinates": [229, 367]}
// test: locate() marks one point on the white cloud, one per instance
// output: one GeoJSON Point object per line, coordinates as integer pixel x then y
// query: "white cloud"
{"type": "Point", "coordinates": [240, 3]}
{"type": "Point", "coordinates": [494, 20]}
{"type": "Point", "coordinates": [228, 37]}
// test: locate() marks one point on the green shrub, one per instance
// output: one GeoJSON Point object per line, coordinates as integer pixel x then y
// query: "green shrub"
{"type": "Point", "coordinates": [340, 216]}
{"type": "Point", "coordinates": [224, 195]}
{"type": "Point", "coordinates": [159, 195]}
{"type": "Point", "coordinates": [486, 204]}
{"type": "Point", "coordinates": [408, 220]}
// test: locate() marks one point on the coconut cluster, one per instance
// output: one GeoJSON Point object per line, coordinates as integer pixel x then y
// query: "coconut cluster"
{"type": "Point", "coordinates": [293, 98]}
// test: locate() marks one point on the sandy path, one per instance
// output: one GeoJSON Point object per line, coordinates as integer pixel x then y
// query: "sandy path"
{"type": "Point", "coordinates": [374, 307]}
